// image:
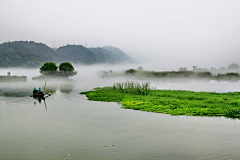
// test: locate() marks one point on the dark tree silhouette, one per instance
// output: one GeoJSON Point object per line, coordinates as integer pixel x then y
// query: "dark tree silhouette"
{"type": "Point", "coordinates": [49, 68]}
{"type": "Point", "coordinates": [66, 69]}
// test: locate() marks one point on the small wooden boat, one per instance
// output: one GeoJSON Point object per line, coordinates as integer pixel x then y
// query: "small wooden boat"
{"type": "Point", "coordinates": [41, 95]}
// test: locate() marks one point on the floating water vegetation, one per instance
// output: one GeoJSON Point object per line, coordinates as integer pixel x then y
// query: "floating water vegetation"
{"type": "Point", "coordinates": [174, 102]}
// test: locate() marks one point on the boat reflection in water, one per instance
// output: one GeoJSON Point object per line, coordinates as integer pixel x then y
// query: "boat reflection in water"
{"type": "Point", "coordinates": [39, 97]}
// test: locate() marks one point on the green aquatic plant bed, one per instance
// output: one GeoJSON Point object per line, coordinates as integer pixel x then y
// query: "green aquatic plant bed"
{"type": "Point", "coordinates": [174, 102]}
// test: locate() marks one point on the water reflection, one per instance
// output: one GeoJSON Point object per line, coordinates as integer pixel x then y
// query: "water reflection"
{"type": "Point", "coordinates": [39, 100]}
{"type": "Point", "coordinates": [66, 88]}
{"type": "Point", "coordinates": [51, 88]}
{"type": "Point", "coordinates": [11, 92]}
{"type": "Point", "coordinates": [62, 87]}
{"type": "Point", "coordinates": [16, 90]}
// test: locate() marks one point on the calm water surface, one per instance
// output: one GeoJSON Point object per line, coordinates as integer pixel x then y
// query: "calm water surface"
{"type": "Point", "coordinates": [68, 126]}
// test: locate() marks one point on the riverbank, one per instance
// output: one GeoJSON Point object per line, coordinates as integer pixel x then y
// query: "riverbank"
{"type": "Point", "coordinates": [173, 75]}
{"type": "Point", "coordinates": [174, 102]}
{"type": "Point", "coordinates": [13, 78]}
{"type": "Point", "coordinates": [44, 77]}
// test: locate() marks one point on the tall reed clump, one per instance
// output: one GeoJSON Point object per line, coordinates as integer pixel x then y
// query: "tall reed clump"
{"type": "Point", "coordinates": [132, 87]}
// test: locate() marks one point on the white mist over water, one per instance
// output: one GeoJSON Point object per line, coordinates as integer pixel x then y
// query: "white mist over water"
{"type": "Point", "coordinates": [88, 77]}
{"type": "Point", "coordinates": [71, 127]}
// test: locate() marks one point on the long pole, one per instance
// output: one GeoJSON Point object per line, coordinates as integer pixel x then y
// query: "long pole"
{"type": "Point", "coordinates": [45, 104]}
{"type": "Point", "coordinates": [44, 87]}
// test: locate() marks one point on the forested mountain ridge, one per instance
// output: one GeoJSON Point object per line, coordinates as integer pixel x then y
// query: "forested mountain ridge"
{"type": "Point", "coordinates": [32, 54]}
{"type": "Point", "coordinates": [76, 54]}
{"type": "Point", "coordinates": [24, 54]}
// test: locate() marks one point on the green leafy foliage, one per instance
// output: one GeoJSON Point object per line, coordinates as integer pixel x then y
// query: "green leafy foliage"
{"type": "Point", "coordinates": [132, 87]}
{"type": "Point", "coordinates": [49, 68]}
{"type": "Point", "coordinates": [232, 74]}
{"type": "Point", "coordinates": [130, 71]}
{"type": "Point", "coordinates": [174, 102]}
{"type": "Point", "coordinates": [66, 69]}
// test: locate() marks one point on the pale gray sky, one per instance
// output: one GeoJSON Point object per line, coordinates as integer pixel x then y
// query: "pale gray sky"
{"type": "Point", "coordinates": [182, 32]}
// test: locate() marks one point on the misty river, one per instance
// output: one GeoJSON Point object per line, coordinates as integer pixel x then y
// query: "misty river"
{"type": "Point", "coordinates": [68, 126]}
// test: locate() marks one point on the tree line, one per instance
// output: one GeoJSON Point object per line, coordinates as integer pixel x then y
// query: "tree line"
{"type": "Point", "coordinates": [65, 69]}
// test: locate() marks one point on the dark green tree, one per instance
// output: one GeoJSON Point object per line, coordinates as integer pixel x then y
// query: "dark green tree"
{"type": "Point", "coordinates": [49, 68]}
{"type": "Point", "coordinates": [130, 72]}
{"type": "Point", "coordinates": [66, 69]}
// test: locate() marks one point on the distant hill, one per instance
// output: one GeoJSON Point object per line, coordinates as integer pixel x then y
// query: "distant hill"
{"type": "Point", "coordinates": [24, 54]}
{"type": "Point", "coordinates": [99, 55]}
{"type": "Point", "coordinates": [119, 55]}
{"type": "Point", "coordinates": [32, 54]}
{"type": "Point", "coordinates": [110, 55]}
{"type": "Point", "coordinates": [115, 51]}
{"type": "Point", "coordinates": [76, 54]}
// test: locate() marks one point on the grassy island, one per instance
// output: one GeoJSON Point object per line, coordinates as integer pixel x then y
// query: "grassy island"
{"type": "Point", "coordinates": [175, 102]}
{"type": "Point", "coordinates": [176, 75]}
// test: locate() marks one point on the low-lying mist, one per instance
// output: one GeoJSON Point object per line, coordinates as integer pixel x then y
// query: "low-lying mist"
{"type": "Point", "coordinates": [88, 78]}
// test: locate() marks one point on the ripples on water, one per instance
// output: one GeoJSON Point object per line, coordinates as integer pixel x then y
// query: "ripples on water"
{"type": "Point", "coordinates": [71, 127]}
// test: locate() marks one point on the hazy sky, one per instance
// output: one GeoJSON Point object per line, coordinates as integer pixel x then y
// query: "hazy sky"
{"type": "Point", "coordinates": [182, 32]}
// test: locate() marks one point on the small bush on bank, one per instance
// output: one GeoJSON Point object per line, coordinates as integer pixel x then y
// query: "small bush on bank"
{"type": "Point", "coordinates": [204, 74]}
{"type": "Point", "coordinates": [130, 72]}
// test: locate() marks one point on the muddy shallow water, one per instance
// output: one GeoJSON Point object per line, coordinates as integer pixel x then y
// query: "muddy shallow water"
{"type": "Point", "coordinates": [68, 126]}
